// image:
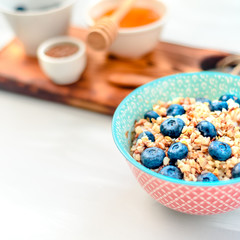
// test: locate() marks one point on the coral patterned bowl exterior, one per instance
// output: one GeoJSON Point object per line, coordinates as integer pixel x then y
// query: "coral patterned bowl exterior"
{"type": "Point", "coordinates": [189, 197]}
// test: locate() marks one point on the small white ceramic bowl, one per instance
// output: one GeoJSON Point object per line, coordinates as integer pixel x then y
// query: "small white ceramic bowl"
{"type": "Point", "coordinates": [42, 20]}
{"type": "Point", "coordinates": [64, 70]}
{"type": "Point", "coordinates": [131, 42]}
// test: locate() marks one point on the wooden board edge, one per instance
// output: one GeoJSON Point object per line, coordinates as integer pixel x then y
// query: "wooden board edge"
{"type": "Point", "coordinates": [39, 93]}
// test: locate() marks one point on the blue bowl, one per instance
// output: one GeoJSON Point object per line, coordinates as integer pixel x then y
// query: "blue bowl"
{"type": "Point", "coordinates": [202, 84]}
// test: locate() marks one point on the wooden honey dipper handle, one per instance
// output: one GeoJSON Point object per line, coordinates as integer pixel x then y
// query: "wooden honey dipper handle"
{"type": "Point", "coordinates": [104, 32]}
{"type": "Point", "coordinates": [122, 10]}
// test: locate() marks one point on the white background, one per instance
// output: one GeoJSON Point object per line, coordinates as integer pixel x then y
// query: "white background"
{"type": "Point", "coordinates": [61, 176]}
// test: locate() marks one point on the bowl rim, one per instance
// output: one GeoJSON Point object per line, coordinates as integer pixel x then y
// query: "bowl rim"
{"type": "Point", "coordinates": [130, 159]}
{"type": "Point", "coordinates": [133, 30]}
{"type": "Point", "coordinates": [41, 51]}
{"type": "Point", "coordinates": [66, 4]}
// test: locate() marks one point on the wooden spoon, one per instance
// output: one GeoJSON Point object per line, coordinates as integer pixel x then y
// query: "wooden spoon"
{"type": "Point", "coordinates": [103, 33]}
{"type": "Point", "coordinates": [129, 80]}
{"type": "Point", "coordinates": [133, 80]}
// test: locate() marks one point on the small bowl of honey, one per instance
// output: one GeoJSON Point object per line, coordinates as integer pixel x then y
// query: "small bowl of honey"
{"type": "Point", "coordinates": [140, 29]}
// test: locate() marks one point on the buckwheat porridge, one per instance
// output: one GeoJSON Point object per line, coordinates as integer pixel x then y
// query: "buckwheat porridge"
{"type": "Point", "coordinates": [190, 139]}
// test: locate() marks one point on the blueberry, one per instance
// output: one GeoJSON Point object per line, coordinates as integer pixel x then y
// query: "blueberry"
{"type": "Point", "coordinates": [207, 129]}
{"type": "Point", "coordinates": [218, 106]}
{"type": "Point", "coordinates": [172, 127]}
{"type": "Point", "coordinates": [219, 150]}
{"type": "Point", "coordinates": [177, 151]}
{"type": "Point", "coordinates": [171, 171]}
{"type": "Point", "coordinates": [152, 157]}
{"type": "Point", "coordinates": [203, 100]}
{"type": "Point", "coordinates": [236, 171]}
{"type": "Point", "coordinates": [20, 8]}
{"type": "Point", "coordinates": [150, 114]}
{"type": "Point", "coordinates": [207, 177]}
{"type": "Point", "coordinates": [226, 97]}
{"type": "Point", "coordinates": [148, 134]}
{"type": "Point", "coordinates": [175, 109]}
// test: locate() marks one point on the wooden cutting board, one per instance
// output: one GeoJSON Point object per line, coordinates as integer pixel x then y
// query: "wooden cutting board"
{"type": "Point", "coordinates": [22, 74]}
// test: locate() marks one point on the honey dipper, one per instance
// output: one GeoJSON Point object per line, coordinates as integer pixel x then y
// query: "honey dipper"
{"type": "Point", "coordinates": [103, 33]}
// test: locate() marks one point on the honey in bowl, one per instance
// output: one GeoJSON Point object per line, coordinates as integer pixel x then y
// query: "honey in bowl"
{"type": "Point", "coordinates": [62, 50]}
{"type": "Point", "coordinates": [136, 17]}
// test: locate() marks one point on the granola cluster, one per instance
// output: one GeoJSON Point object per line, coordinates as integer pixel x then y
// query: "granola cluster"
{"type": "Point", "coordinates": [198, 160]}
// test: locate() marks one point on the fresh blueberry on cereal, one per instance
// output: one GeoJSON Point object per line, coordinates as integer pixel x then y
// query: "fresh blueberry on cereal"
{"type": "Point", "coordinates": [171, 171]}
{"type": "Point", "coordinates": [207, 177]}
{"type": "Point", "coordinates": [226, 97]}
{"type": "Point", "coordinates": [175, 109]}
{"type": "Point", "coordinates": [218, 106]}
{"type": "Point", "coordinates": [151, 114]}
{"type": "Point", "coordinates": [203, 100]}
{"type": "Point", "coordinates": [172, 127]}
{"type": "Point", "coordinates": [207, 129]}
{"type": "Point", "coordinates": [219, 150]}
{"type": "Point", "coordinates": [147, 134]}
{"type": "Point", "coordinates": [152, 157]}
{"type": "Point", "coordinates": [177, 151]}
{"type": "Point", "coordinates": [236, 171]}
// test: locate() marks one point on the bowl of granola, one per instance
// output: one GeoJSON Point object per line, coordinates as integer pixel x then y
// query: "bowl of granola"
{"type": "Point", "coordinates": [180, 136]}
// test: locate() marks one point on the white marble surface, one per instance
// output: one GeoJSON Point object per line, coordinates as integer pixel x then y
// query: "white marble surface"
{"type": "Point", "coordinates": [61, 177]}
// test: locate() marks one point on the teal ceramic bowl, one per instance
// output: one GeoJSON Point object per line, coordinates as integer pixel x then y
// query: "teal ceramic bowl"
{"type": "Point", "coordinates": [188, 197]}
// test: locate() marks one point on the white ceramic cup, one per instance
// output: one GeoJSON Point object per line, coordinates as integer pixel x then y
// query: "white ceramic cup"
{"type": "Point", "coordinates": [43, 19]}
{"type": "Point", "coordinates": [131, 42]}
{"type": "Point", "coordinates": [64, 70]}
